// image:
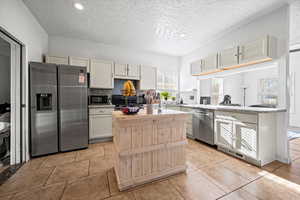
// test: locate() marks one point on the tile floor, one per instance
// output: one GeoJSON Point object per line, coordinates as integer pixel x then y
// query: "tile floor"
{"type": "Point", "coordinates": [88, 175]}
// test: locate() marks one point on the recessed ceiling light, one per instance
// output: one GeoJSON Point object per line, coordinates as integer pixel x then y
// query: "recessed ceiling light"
{"type": "Point", "coordinates": [78, 6]}
{"type": "Point", "coordinates": [182, 35]}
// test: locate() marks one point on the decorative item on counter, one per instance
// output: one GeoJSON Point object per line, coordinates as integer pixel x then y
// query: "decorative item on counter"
{"type": "Point", "coordinates": [151, 97]}
{"type": "Point", "coordinates": [128, 89]}
{"type": "Point", "coordinates": [130, 110]}
{"type": "Point", "coordinates": [173, 98]}
{"type": "Point", "coordinates": [165, 95]}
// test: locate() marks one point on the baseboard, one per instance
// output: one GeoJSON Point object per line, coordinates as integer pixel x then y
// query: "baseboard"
{"type": "Point", "coordinates": [97, 140]}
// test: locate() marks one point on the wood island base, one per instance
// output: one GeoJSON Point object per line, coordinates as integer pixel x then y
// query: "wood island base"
{"type": "Point", "coordinates": [149, 147]}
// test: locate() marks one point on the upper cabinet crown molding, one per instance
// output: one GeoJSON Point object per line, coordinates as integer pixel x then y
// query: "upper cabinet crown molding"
{"type": "Point", "coordinates": [59, 60]}
{"type": "Point", "coordinates": [260, 50]}
{"type": "Point", "coordinates": [78, 61]}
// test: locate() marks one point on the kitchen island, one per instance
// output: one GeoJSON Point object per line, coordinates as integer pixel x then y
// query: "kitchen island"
{"type": "Point", "coordinates": [149, 146]}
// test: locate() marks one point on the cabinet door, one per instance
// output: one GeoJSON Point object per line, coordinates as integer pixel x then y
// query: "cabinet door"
{"type": "Point", "coordinates": [120, 69]}
{"type": "Point", "coordinates": [246, 139]}
{"type": "Point", "coordinates": [82, 62]}
{"type": "Point", "coordinates": [224, 133]}
{"type": "Point", "coordinates": [148, 78]}
{"type": "Point", "coordinates": [100, 126]}
{"type": "Point", "coordinates": [210, 63]}
{"type": "Point", "coordinates": [133, 71]}
{"type": "Point", "coordinates": [101, 74]}
{"type": "Point", "coordinates": [59, 60]}
{"type": "Point", "coordinates": [196, 67]}
{"type": "Point", "coordinates": [254, 51]}
{"type": "Point", "coordinates": [228, 57]}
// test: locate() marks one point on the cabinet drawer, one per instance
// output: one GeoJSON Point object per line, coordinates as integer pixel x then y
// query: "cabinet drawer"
{"type": "Point", "coordinates": [101, 111]}
{"type": "Point", "coordinates": [249, 118]}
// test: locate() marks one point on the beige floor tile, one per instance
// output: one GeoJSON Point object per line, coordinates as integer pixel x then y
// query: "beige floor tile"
{"type": "Point", "coordinates": [100, 165]}
{"type": "Point", "coordinates": [34, 163]}
{"type": "Point", "coordinates": [89, 188]}
{"type": "Point", "coordinates": [109, 149]}
{"type": "Point", "coordinates": [243, 169]}
{"type": "Point", "coordinates": [273, 166]}
{"type": "Point", "coordinates": [195, 186]}
{"type": "Point", "coordinates": [289, 174]}
{"type": "Point", "coordinates": [90, 153]}
{"type": "Point", "coordinates": [25, 180]}
{"type": "Point", "coordinates": [226, 179]}
{"type": "Point", "coordinates": [159, 190]}
{"type": "Point", "coordinates": [52, 192]}
{"type": "Point", "coordinates": [295, 155]}
{"type": "Point", "coordinates": [69, 172]}
{"type": "Point", "coordinates": [124, 196]}
{"type": "Point", "coordinates": [6, 198]}
{"type": "Point", "coordinates": [239, 195]}
{"type": "Point", "coordinates": [59, 159]}
{"type": "Point", "coordinates": [272, 187]}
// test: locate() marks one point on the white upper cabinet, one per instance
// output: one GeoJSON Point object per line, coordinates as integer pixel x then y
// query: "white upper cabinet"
{"type": "Point", "coordinates": [210, 63]}
{"type": "Point", "coordinates": [127, 71]}
{"type": "Point", "coordinates": [120, 70]}
{"type": "Point", "coordinates": [101, 74]}
{"type": "Point", "coordinates": [148, 78]}
{"type": "Point", "coordinates": [59, 60]}
{"type": "Point", "coordinates": [260, 49]}
{"type": "Point", "coordinates": [133, 71]}
{"type": "Point", "coordinates": [196, 67]}
{"type": "Point", "coordinates": [82, 62]}
{"type": "Point", "coordinates": [228, 57]}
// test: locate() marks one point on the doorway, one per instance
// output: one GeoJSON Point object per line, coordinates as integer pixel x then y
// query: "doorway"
{"type": "Point", "coordinates": [10, 104]}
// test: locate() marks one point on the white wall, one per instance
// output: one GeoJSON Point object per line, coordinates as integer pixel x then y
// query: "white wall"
{"type": "Point", "coordinates": [275, 24]}
{"type": "Point", "coordinates": [19, 21]}
{"type": "Point", "coordinates": [83, 48]}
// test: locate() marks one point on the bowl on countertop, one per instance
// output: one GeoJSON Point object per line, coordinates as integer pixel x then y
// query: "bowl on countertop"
{"type": "Point", "coordinates": [130, 110]}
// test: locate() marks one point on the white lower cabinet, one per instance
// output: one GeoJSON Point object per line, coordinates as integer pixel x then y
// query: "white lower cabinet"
{"type": "Point", "coordinates": [100, 123]}
{"type": "Point", "coordinates": [246, 139]}
{"type": "Point", "coordinates": [224, 133]}
{"type": "Point", "coordinates": [238, 133]}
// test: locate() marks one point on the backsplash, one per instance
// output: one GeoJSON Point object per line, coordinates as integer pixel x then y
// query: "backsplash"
{"type": "Point", "coordinates": [118, 86]}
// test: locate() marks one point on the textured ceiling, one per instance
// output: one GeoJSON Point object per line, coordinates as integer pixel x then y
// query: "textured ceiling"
{"type": "Point", "coordinates": [154, 25]}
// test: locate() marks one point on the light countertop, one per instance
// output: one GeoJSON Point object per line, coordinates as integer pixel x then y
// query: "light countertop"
{"type": "Point", "coordinates": [235, 108]}
{"type": "Point", "coordinates": [143, 114]}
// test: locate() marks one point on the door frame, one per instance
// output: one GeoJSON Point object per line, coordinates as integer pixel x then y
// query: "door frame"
{"type": "Point", "coordinates": [19, 129]}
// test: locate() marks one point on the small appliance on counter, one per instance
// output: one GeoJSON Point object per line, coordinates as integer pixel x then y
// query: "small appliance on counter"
{"type": "Point", "coordinates": [98, 99]}
{"type": "Point", "coordinates": [205, 100]}
{"type": "Point", "coordinates": [227, 101]}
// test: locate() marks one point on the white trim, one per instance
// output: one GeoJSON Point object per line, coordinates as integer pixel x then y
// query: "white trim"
{"type": "Point", "coordinates": [15, 118]}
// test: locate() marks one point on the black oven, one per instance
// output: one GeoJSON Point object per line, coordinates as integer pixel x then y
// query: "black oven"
{"type": "Point", "coordinates": [98, 99]}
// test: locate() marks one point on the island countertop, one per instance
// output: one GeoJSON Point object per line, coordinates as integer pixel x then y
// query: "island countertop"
{"type": "Point", "coordinates": [143, 115]}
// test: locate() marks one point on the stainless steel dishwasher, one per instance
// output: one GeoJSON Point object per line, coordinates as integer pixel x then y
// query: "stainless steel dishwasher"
{"type": "Point", "coordinates": [203, 125]}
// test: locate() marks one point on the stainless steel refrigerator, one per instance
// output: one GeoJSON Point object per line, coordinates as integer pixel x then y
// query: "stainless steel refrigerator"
{"type": "Point", "coordinates": [59, 110]}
